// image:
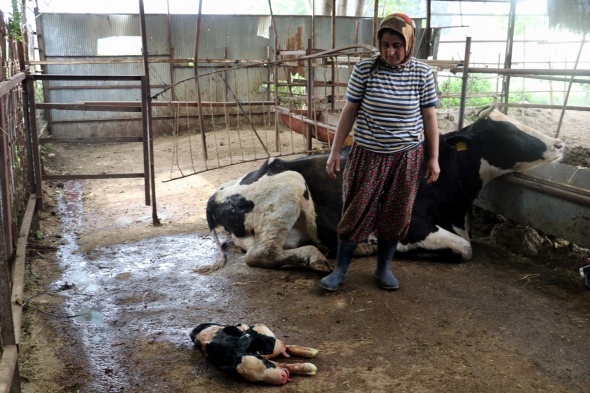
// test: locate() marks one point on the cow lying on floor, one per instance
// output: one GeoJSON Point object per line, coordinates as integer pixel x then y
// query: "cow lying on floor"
{"type": "Point", "coordinates": [269, 212]}
{"type": "Point", "coordinates": [244, 351]}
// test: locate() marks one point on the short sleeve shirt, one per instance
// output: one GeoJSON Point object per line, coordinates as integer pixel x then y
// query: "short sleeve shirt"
{"type": "Point", "coordinates": [389, 118]}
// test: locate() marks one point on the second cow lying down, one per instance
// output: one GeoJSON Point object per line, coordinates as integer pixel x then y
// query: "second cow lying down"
{"type": "Point", "coordinates": [286, 212]}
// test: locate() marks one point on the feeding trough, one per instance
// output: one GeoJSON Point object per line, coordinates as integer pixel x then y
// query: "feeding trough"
{"type": "Point", "coordinates": [553, 198]}
{"type": "Point", "coordinates": [322, 127]}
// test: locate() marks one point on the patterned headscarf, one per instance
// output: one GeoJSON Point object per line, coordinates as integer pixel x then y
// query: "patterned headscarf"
{"type": "Point", "coordinates": [404, 25]}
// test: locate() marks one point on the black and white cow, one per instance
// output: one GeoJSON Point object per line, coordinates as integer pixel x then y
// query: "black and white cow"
{"type": "Point", "coordinates": [266, 201]}
{"type": "Point", "coordinates": [244, 351]}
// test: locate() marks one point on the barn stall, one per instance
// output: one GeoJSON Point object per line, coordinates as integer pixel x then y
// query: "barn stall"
{"type": "Point", "coordinates": [112, 277]}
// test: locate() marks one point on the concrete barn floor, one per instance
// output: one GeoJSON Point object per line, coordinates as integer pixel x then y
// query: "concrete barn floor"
{"type": "Point", "coordinates": [111, 300]}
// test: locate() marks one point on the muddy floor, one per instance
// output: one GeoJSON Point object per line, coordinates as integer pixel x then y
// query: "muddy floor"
{"type": "Point", "coordinates": [111, 300]}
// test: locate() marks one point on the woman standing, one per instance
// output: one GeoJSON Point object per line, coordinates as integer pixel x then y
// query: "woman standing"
{"type": "Point", "coordinates": [392, 98]}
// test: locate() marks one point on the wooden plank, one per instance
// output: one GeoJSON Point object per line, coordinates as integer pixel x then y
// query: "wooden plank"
{"type": "Point", "coordinates": [7, 85]}
{"type": "Point", "coordinates": [18, 274]}
{"type": "Point", "coordinates": [9, 369]}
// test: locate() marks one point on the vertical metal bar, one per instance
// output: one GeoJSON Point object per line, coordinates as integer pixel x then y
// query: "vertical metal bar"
{"type": "Point", "coordinates": [508, 57]}
{"type": "Point", "coordinates": [464, 80]}
{"type": "Point", "coordinates": [43, 57]}
{"type": "Point", "coordinates": [171, 52]}
{"type": "Point", "coordinates": [145, 109]}
{"type": "Point", "coordinates": [34, 137]}
{"type": "Point", "coordinates": [197, 84]}
{"type": "Point", "coordinates": [312, 35]}
{"type": "Point", "coordinates": [427, 33]}
{"type": "Point", "coordinates": [5, 176]}
{"type": "Point", "coordinates": [148, 141]}
{"type": "Point", "coordinates": [268, 75]}
{"type": "Point", "coordinates": [6, 321]}
{"type": "Point", "coordinates": [3, 46]}
{"type": "Point", "coordinates": [145, 137]}
{"type": "Point", "coordinates": [569, 87]}
{"type": "Point", "coordinates": [333, 30]}
{"type": "Point", "coordinates": [225, 90]}
{"type": "Point", "coordinates": [276, 73]}
{"type": "Point", "coordinates": [375, 22]}
{"type": "Point", "coordinates": [310, 76]}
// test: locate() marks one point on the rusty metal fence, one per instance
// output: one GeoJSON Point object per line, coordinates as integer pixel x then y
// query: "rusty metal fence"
{"type": "Point", "coordinates": [17, 202]}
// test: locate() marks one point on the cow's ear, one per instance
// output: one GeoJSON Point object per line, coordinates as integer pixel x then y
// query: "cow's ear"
{"type": "Point", "coordinates": [459, 142]}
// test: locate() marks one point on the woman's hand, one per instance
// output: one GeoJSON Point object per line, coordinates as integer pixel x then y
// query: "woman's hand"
{"type": "Point", "coordinates": [432, 170]}
{"type": "Point", "coordinates": [333, 165]}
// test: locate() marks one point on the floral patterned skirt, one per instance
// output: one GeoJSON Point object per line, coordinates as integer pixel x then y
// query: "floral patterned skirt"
{"type": "Point", "coordinates": [378, 193]}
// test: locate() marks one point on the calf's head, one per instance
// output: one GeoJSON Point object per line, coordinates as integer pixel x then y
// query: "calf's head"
{"type": "Point", "coordinates": [504, 145]}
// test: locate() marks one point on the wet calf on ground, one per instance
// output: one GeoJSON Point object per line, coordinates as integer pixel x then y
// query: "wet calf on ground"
{"type": "Point", "coordinates": [245, 351]}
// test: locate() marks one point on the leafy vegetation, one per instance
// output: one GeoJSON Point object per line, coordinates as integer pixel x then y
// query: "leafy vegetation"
{"type": "Point", "coordinates": [15, 22]}
{"type": "Point", "coordinates": [475, 84]}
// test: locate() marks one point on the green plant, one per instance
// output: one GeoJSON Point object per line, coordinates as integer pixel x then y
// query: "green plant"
{"type": "Point", "coordinates": [15, 22]}
{"type": "Point", "coordinates": [474, 85]}
{"type": "Point", "coordinates": [38, 235]}
{"type": "Point", "coordinates": [289, 92]}
{"type": "Point", "coordinates": [46, 149]}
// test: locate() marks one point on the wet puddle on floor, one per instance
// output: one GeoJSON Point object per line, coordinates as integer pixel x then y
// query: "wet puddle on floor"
{"type": "Point", "coordinates": [145, 289]}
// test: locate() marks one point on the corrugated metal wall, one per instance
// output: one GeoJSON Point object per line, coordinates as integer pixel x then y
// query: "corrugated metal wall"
{"type": "Point", "coordinates": [73, 38]}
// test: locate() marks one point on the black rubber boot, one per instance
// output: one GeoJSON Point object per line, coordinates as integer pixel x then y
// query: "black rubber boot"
{"type": "Point", "coordinates": [343, 258]}
{"type": "Point", "coordinates": [385, 279]}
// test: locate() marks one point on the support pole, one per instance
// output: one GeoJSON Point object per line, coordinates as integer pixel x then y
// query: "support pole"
{"type": "Point", "coordinates": [569, 88]}
{"type": "Point", "coordinates": [148, 144]}
{"type": "Point", "coordinates": [310, 109]}
{"type": "Point", "coordinates": [508, 57]}
{"type": "Point", "coordinates": [375, 22]}
{"type": "Point", "coordinates": [197, 84]}
{"type": "Point", "coordinates": [465, 81]}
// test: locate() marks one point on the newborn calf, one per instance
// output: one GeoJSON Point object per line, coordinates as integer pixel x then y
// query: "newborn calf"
{"type": "Point", "coordinates": [244, 351]}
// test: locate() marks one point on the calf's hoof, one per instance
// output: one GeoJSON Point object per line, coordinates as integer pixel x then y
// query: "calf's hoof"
{"type": "Point", "coordinates": [301, 368]}
{"type": "Point", "coordinates": [304, 352]}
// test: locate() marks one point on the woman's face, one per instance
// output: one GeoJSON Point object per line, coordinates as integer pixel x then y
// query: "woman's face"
{"type": "Point", "coordinates": [392, 47]}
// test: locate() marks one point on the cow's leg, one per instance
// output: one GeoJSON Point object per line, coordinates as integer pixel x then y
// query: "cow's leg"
{"type": "Point", "coordinates": [439, 240]}
{"type": "Point", "coordinates": [271, 256]}
{"type": "Point", "coordinates": [257, 369]}
{"type": "Point", "coordinates": [298, 368]}
{"type": "Point", "coordinates": [304, 352]}
{"type": "Point", "coordinates": [245, 243]}
{"type": "Point", "coordinates": [365, 249]}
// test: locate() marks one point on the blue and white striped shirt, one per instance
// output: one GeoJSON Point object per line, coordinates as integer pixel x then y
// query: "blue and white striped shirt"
{"type": "Point", "coordinates": [389, 118]}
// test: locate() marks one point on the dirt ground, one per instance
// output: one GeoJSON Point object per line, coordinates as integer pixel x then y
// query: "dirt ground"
{"type": "Point", "coordinates": [111, 298]}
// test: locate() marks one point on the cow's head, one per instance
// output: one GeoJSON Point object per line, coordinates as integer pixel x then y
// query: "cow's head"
{"type": "Point", "coordinates": [504, 145]}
